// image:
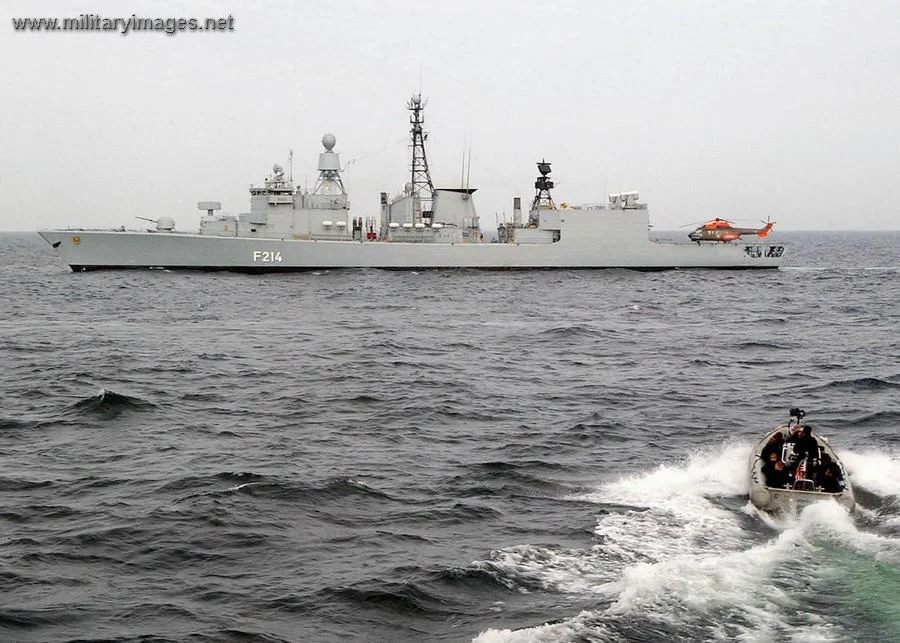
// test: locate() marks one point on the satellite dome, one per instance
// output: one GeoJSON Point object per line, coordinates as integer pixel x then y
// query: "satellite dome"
{"type": "Point", "coordinates": [416, 99]}
{"type": "Point", "coordinates": [328, 141]}
{"type": "Point", "coordinates": [408, 188]}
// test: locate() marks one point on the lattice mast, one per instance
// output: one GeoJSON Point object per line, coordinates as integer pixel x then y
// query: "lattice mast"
{"type": "Point", "coordinates": [420, 177]}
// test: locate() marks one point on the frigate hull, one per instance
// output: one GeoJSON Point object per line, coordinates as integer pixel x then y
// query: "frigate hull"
{"type": "Point", "coordinates": [97, 250]}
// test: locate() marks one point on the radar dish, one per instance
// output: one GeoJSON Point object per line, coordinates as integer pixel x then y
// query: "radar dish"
{"type": "Point", "coordinates": [544, 168]}
{"type": "Point", "coordinates": [416, 99]}
{"type": "Point", "coordinates": [328, 141]}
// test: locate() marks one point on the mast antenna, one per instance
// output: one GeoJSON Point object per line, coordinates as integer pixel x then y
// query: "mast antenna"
{"type": "Point", "coordinates": [462, 170]}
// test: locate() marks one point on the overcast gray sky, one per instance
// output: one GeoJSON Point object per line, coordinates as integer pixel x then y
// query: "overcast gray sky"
{"type": "Point", "coordinates": [786, 109]}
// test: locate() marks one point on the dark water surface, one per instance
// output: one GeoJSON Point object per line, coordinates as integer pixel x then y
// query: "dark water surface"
{"type": "Point", "coordinates": [452, 455]}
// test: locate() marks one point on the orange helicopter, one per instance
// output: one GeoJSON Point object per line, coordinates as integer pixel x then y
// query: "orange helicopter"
{"type": "Point", "coordinates": [723, 230]}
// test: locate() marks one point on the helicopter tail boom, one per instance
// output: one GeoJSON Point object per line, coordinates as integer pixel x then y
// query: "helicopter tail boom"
{"type": "Point", "coordinates": [762, 234]}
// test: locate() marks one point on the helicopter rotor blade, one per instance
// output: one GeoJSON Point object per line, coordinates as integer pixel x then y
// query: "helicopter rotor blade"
{"type": "Point", "coordinates": [701, 223]}
{"type": "Point", "coordinates": [709, 222]}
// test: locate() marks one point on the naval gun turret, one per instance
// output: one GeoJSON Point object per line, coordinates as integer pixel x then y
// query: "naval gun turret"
{"type": "Point", "coordinates": [163, 224]}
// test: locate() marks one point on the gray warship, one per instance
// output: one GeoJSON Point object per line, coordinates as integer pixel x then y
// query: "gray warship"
{"type": "Point", "coordinates": [423, 227]}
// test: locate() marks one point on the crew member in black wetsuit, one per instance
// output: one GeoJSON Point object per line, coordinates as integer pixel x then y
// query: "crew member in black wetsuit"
{"type": "Point", "coordinates": [829, 477]}
{"type": "Point", "coordinates": [773, 446]}
{"type": "Point", "coordinates": [806, 449]}
{"type": "Point", "coordinates": [776, 472]}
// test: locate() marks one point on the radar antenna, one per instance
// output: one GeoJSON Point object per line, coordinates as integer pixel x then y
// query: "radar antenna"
{"type": "Point", "coordinates": [420, 177]}
{"type": "Point", "coordinates": [329, 181]}
{"type": "Point", "coordinates": [542, 185]}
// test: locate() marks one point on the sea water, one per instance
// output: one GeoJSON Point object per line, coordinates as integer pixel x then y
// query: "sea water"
{"type": "Point", "coordinates": [444, 455]}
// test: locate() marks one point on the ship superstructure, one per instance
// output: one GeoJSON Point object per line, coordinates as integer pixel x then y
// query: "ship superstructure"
{"type": "Point", "coordinates": [277, 210]}
{"type": "Point", "coordinates": [546, 221]}
{"type": "Point", "coordinates": [423, 213]}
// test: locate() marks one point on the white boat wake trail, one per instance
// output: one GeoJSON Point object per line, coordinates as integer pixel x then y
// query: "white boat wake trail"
{"type": "Point", "coordinates": [680, 554]}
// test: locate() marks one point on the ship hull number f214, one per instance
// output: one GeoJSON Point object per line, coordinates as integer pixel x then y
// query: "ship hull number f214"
{"type": "Point", "coordinates": [267, 256]}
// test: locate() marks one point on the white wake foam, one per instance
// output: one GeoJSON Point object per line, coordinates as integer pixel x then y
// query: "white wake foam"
{"type": "Point", "coordinates": [875, 471]}
{"type": "Point", "coordinates": [679, 554]}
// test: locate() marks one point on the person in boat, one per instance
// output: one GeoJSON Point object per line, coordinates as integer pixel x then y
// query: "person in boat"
{"type": "Point", "coordinates": [775, 471]}
{"type": "Point", "coordinates": [829, 477]}
{"type": "Point", "coordinates": [806, 449]}
{"type": "Point", "coordinates": [774, 445]}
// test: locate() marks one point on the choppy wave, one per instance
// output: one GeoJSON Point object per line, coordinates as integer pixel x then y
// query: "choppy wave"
{"type": "Point", "coordinates": [108, 404]}
{"type": "Point", "coordinates": [880, 419]}
{"type": "Point", "coordinates": [863, 384]}
{"type": "Point", "coordinates": [392, 597]}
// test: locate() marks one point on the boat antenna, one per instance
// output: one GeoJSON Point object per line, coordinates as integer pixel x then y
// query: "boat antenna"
{"type": "Point", "coordinates": [291, 166]}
